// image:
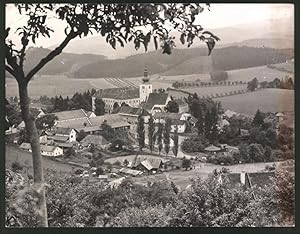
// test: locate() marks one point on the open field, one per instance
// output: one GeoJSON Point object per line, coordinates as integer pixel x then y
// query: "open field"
{"type": "Point", "coordinates": [13, 153]}
{"type": "Point", "coordinates": [56, 85]}
{"type": "Point", "coordinates": [204, 91]}
{"type": "Point", "coordinates": [267, 100]}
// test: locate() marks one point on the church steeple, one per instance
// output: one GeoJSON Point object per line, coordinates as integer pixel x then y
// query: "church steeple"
{"type": "Point", "coordinates": [146, 78]}
{"type": "Point", "coordinates": [145, 87]}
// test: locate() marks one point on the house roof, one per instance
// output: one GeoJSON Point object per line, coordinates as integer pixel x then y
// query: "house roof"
{"type": "Point", "coordinates": [156, 99]}
{"type": "Point", "coordinates": [279, 114]}
{"type": "Point", "coordinates": [164, 115]}
{"type": "Point", "coordinates": [147, 165]}
{"type": "Point", "coordinates": [60, 138]}
{"type": "Point", "coordinates": [64, 144]}
{"type": "Point", "coordinates": [48, 148]}
{"type": "Point", "coordinates": [63, 131]}
{"type": "Point", "coordinates": [130, 171]}
{"type": "Point", "coordinates": [25, 145]}
{"type": "Point", "coordinates": [114, 120]}
{"type": "Point", "coordinates": [127, 110]}
{"type": "Point", "coordinates": [94, 139]}
{"type": "Point", "coordinates": [212, 148]}
{"type": "Point", "coordinates": [72, 114]}
{"type": "Point", "coordinates": [154, 161]}
{"type": "Point", "coordinates": [177, 122]}
{"type": "Point", "coordinates": [118, 93]}
{"type": "Point", "coordinates": [75, 123]}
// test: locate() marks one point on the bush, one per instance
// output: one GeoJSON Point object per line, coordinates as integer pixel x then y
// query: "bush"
{"type": "Point", "coordinates": [16, 166]}
{"type": "Point", "coordinates": [219, 76]}
{"type": "Point", "coordinates": [194, 144]}
{"type": "Point", "coordinates": [222, 159]}
{"type": "Point", "coordinates": [277, 155]}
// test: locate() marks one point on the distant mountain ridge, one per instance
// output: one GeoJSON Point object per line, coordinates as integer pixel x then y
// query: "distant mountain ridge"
{"type": "Point", "coordinates": [185, 62]}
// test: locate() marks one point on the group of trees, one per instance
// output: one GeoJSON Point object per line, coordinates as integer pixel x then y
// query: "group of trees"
{"type": "Point", "coordinates": [286, 83]}
{"type": "Point", "coordinates": [72, 202]}
{"type": "Point", "coordinates": [207, 114]}
{"type": "Point", "coordinates": [158, 134]}
{"type": "Point", "coordinates": [197, 83]}
{"type": "Point", "coordinates": [77, 101]}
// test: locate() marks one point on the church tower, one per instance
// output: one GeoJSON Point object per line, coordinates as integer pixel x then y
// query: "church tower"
{"type": "Point", "coordinates": [145, 87]}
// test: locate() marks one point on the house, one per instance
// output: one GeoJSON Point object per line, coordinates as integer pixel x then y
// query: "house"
{"type": "Point", "coordinates": [65, 134]}
{"type": "Point", "coordinates": [157, 102]}
{"type": "Point", "coordinates": [212, 149]}
{"type": "Point", "coordinates": [35, 113]}
{"type": "Point", "coordinates": [279, 116]}
{"type": "Point", "coordinates": [131, 114]}
{"type": "Point", "coordinates": [96, 140]}
{"type": "Point", "coordinates": [178, 120]}
{"type": "Point", "coordinates": [53, 151]}
{"type": "Point", "coordinates": [130, 172]}
{"type": "Point", "coordinates": [149, 164]}
{"type": "Point", "coordinates": [43, 139]}
{"type": "Point", "coordinates": [26, 146]}
{"type": "Point", "coordinates": [182, 105]}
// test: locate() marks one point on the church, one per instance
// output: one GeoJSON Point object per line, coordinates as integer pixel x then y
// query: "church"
{"type": "Point", "coordinates": [134, 97]}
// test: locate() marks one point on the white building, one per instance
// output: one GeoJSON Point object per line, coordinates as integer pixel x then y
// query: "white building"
{"type": "Point", "coordinates": [52, 151]}
{"type": "Point", "coordinates": [130, 96]}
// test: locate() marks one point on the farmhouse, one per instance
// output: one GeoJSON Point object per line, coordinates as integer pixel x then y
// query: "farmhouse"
{"type": "Point", "coordinates": [65, 134]}
{"type": "Point", "coordinates": [131, 96]}
{"type": "Point", "coordinates": [52, 151]}
{"type": "Point", "coordinates": [96, 140]}
{"type": "Point", "coordinates": [25, 146]}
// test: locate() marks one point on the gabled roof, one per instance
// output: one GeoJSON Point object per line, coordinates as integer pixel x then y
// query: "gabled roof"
{"type": "Point", "coordinates": [118, 93]}
{"type": "Point", "coordinates": [127, 110]}
{"type": "Point", "coordinates": [279, 114]}
{"type": "Point", "coordinates": [74, 123]}
{"type": "Point", "coordinates": [131, 171]}
{"type": "Point", "coordinates": [114, 120]}
{"type": "Point", "coordinates": [212, 148]}
{"type": "Point", "coordinates": [59, 138]}
{"type": "Point", "coordinates": [25, 145]}
{"type": "Point", "coordinates": [164, 115]}
{"type": "Point", "coordinates": [64, 144]}
{"type": "Point", "coordinates": [94, 139]}
{"type": "Point", "coordinates": [72, 114]}
{"type": "Point", "coordinates": [48, 148]}
{"type": "Point", "coordinates": [156, 99]}
{"type": "Point", "coordinates": [147, 165]}
{"type": "Point", "coordinates": [154, 161]}
{"type": "Point", "coordinates": [63, 131]}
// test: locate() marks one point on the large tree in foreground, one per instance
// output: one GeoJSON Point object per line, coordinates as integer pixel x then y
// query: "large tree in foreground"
{"type": "Point", "coordinates": [119, 23]}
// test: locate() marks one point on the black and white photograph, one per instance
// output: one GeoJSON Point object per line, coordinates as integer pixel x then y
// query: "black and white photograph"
{"type": "Point", "coordinates": [149, 115]}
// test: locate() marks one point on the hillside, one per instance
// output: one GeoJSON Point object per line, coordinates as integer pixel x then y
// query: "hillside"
{"type": "Point", "coordinates": [282, 29]}
{"type": "Point", "coordinates": [63, 63]}
{"type": "Point", "coordinates": [185, 62]}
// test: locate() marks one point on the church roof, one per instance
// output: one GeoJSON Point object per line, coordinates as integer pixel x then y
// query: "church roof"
{"type": "Point", "coordinates": [156, 99]}
{"type": "Point", "coordinates": [118, 93]}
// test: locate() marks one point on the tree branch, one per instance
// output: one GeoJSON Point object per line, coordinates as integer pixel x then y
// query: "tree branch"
{"type": "Point", "coordinates": [10, 70]}
{"type": "Point", "coordinates": [51, 55]}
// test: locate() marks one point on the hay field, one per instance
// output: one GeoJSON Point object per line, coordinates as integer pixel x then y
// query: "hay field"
{"type": "Point", "coordinates": [267, 100]}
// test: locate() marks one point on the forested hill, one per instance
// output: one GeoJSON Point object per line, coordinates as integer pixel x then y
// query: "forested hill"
{"type": "Point", "coordinates": [63, 63]}
{"type": "Point", "coordinates": [185, 62]}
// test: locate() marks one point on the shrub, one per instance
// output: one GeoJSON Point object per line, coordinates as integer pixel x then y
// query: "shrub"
{"type": "Point", "coordinates": [277, 155]}
{"type": "Point", "coordinates": [16, 166]}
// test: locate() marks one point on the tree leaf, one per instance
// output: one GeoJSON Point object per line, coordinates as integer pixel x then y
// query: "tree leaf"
{"type": "Point", "coordinates": [182, 38]}
{"type": "Point", "coordinates": [155, 42]}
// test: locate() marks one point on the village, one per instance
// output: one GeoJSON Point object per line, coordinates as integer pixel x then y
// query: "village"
{"type": "Point", "coordinates": [106, 148]}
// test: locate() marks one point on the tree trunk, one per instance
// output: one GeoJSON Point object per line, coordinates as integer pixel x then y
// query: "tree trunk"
{"type": "Point", "coordinates": [36, 154]}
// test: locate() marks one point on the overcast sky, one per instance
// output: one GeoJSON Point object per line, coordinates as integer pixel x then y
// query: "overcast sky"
{"type": "Point", "coordinates": [220, 15]}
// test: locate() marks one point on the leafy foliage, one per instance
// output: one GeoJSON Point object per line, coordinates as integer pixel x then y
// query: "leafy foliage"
{"type": "Point", "coordinates": [141, 132]}
{"type": "Point", "coordinates": [151, 131]}
{"type": "Point", "coordinates": [166, 134]}
{"type": "Point", "coordinates": [99, 107]}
